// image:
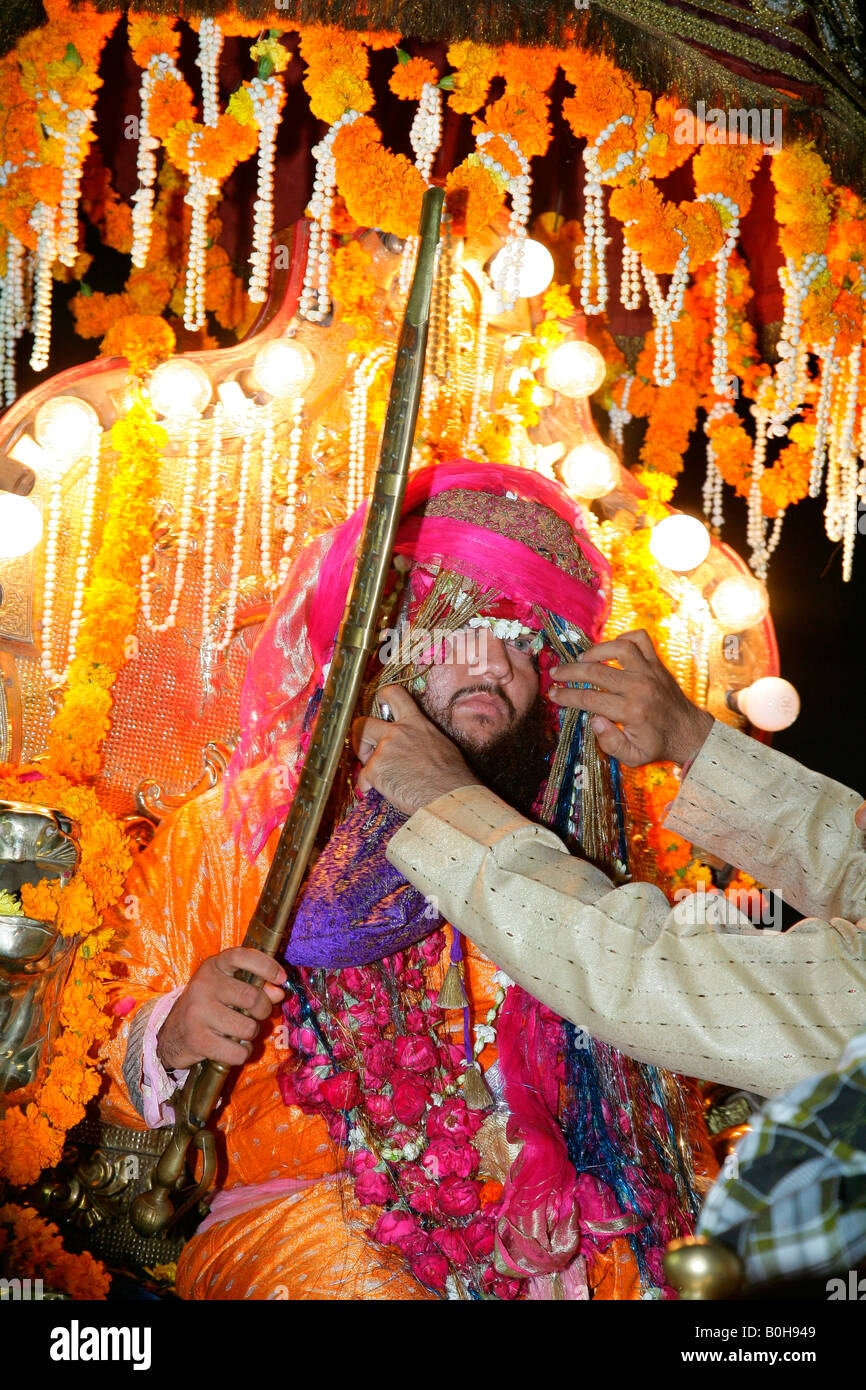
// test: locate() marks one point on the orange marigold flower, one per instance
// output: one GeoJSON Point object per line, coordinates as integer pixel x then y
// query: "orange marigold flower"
{"type": "Point", "coordinates": [524, 116]}
{"type": "Point", "coordinates": [473, 198]}
{"type": "Point", "coordinates": [531, 69]}
{"type": "Point", "coordinates": [144, 340]}
{"type": "Point", "coordinates": [40, 900]}
{"type": "Point", "coordinates": [151, 35]}
{"type": "Point", "coordinates": [95, 313]}
{"type": "Point", "coordinates": [408, 79]}
{"type": "Point", "coordinates": [170, 103]}
{"type": "Point", "coordinates": [476, 66]}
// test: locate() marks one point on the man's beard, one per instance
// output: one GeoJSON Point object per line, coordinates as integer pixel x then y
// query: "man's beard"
{"type": "Point", "coordinates": [515, 763]}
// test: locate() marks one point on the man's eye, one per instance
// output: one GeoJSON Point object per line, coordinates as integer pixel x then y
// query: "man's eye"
{"type": "Point", "coordinates": [521, 644]}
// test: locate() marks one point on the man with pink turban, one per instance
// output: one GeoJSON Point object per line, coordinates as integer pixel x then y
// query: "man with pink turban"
{"type": "Point", "coordinates": [413, 1124]}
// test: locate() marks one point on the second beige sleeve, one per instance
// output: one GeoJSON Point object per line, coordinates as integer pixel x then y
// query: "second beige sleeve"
{"type": "Point", "coordinates": [725, 1003]}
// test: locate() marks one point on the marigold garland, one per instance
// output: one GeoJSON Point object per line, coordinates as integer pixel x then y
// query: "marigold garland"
{"type": "Point", "coordinates": [34, 1125]}
{"type": "Point", "coordinates": [380, 189]}
{"type": "Point", "coordinates": [111, 599]}
{"type": "Point", "coordinates": [31, 1248]}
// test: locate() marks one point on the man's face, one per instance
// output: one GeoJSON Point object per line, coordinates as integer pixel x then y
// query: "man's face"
{"type": "Point", "coordinates": [482, 688]}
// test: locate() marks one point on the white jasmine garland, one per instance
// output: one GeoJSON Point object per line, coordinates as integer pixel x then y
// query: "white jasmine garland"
{"type": "Point", "coordinates": [518, 186]}
{"type": "Point", "coordinates": [731, 224]}
{"type": "Point", "coordinates": [424, 137]}
{"type": "Point", "coordinates": [43, 222]}
{"type": "Point", "coordinates": [592, 259]}
{"type": "Point", "coordinates": [142, 200]}
{"type": "Point", "coordinates": [265, 97]}
{"type": "Point", "coordinates": [315, 299]}
{"type": "Point", "coordinates": [666, 312]}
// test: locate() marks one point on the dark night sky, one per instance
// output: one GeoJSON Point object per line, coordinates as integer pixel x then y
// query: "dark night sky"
{"type": "Point", "coordinates": [818, 619]}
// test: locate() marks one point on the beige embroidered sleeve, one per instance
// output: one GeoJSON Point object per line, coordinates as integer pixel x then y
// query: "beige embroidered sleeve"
{"type": "Point", "coordinates": [720, 1000]}
{"type": "Point", "coordinates": [790, 828]}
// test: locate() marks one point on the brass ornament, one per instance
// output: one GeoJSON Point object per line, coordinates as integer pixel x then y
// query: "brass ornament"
{"type": "Point", "coordinates": [703, 1269]}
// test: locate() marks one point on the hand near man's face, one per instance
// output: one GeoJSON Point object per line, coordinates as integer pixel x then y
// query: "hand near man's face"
{"type": "Point", "coordinates": [642, 716]}
{"type": "Point", "coordinates": [407, 759]}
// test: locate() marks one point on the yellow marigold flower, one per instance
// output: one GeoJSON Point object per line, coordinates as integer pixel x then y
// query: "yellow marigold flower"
{"type": "Point", "coordinates": [273, 52]}
{"type": "Point", "coordinates": [341, 91]}
{"type": "Point", "coordinates": [557, 302]}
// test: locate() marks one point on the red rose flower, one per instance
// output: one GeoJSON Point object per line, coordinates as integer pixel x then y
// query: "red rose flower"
{"type": "Point", "coordinates": [360, 1160]}
{"type": "Point", "coordinates": [431, 1269]}
{"type": "Point", "coordinates": [338, 1128]}
{"type": "Point", "coordinates": [394, 1227]}
{"type": "Point", "coordinates": [416, 1020]}
{"type": "Point", "coordinates": [480, 1238]}
{"type": "Point", "coordinates": [457, 1197]}
{"type": "Point", "coordinates": [431, 947]}
{"type": "Point", "coordinates": [363, 1012]}
{"type": "Point", "coordinates": [356, 982]}
{"type": "Point", "coordinates": [380, 1110]}
{"type": "Point", "coordinates": [302, 1040]}
{"type": "Point", "coordinates": [409, 1097]}
{"type": "Point", "coordinates": [378, 1065]}
{"type": "Point", "coordinates": [445, 1159]}
{"type": "Point", "coordinates": [292, 1008]}
{"type": "Point", "coordinates": [453, 1120]}
{"type": "Point", "coordinates": [506, 1289]}
{"type": "Point", "coordinates": [423, 1199]}
{"type": "Point", "coordinates": [452, 1245]}
{"type": "Point", "coordinates": [372, 1188]}
{"type": "Point", "coordinates": [415, 1053]}
{"type": "Point", "coordinates": [341, 1090]}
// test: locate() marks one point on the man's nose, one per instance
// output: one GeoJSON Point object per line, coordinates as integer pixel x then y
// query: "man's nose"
{"type": "Point", "coordinates": [490, 657]}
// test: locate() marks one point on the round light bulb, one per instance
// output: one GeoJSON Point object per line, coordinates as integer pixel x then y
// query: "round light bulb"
{"type": "Point", "coordinates": [575, 369]}
{"type": "Point", "coordinates": [680, 542]}
{"type": "Point", "coordinates": [283, 368]}
{"type": "Point", "coordinates": [536, 270]}
{"type": "Point", "coordinates": [770, 703]}
{"type": "Point", "coordinates": [179, 390]}
{"type": "Point", "coordinates": [590, 470]}
{"type": "Point", "coordinates": [20, 525]}
{"type": "Point", "coordinates": [739, 603]}
{"type": "Point", "coordinates": [65, 428]}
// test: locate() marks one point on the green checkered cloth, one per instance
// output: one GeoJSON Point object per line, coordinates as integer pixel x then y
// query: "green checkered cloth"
{"type": "Point", "coordinates": [793, 1200]}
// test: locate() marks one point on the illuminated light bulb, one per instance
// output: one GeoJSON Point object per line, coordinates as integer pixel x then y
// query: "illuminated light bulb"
{"type": "Point", "coordinates": [770, 703]}
{"type": "Point", "coordinates": [680, 542]}
{"type": "Point", "coordinates": [283, 368]}
{"type": "Point", "coordinates": [739, 603]}
{"type": "Point", "coordinates": [590, 470]}
{"type": "Point", "coordinates": [233, 400]}
{"type": "Point", "coordinates": [575, 369]}
{"type": "Point", "coordinates": [179, 390]}
{"type": "Point", "coordinates": [65, 427]}
{"type": "Point", "coordinates": [20, 525]}
{"type": "Point", "coordinates": [536, 269]}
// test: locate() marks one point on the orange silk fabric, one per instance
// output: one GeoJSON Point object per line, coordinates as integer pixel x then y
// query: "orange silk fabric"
{"type": "Point", "coordinates": [189, 896]}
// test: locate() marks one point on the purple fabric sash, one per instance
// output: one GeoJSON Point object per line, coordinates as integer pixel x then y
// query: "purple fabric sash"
{"type": "Point", "coordinates": [355, 907]}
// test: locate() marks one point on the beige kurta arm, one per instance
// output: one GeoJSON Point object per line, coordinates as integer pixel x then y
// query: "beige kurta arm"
{"type": "Point", "coordinates": [744, 1007]}
{"type": "Point", "coordinates": [790, 828]}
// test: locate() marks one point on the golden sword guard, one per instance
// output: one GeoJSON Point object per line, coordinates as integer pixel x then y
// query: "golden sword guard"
{"type": "Point", "coordinates": [154, 1210]}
